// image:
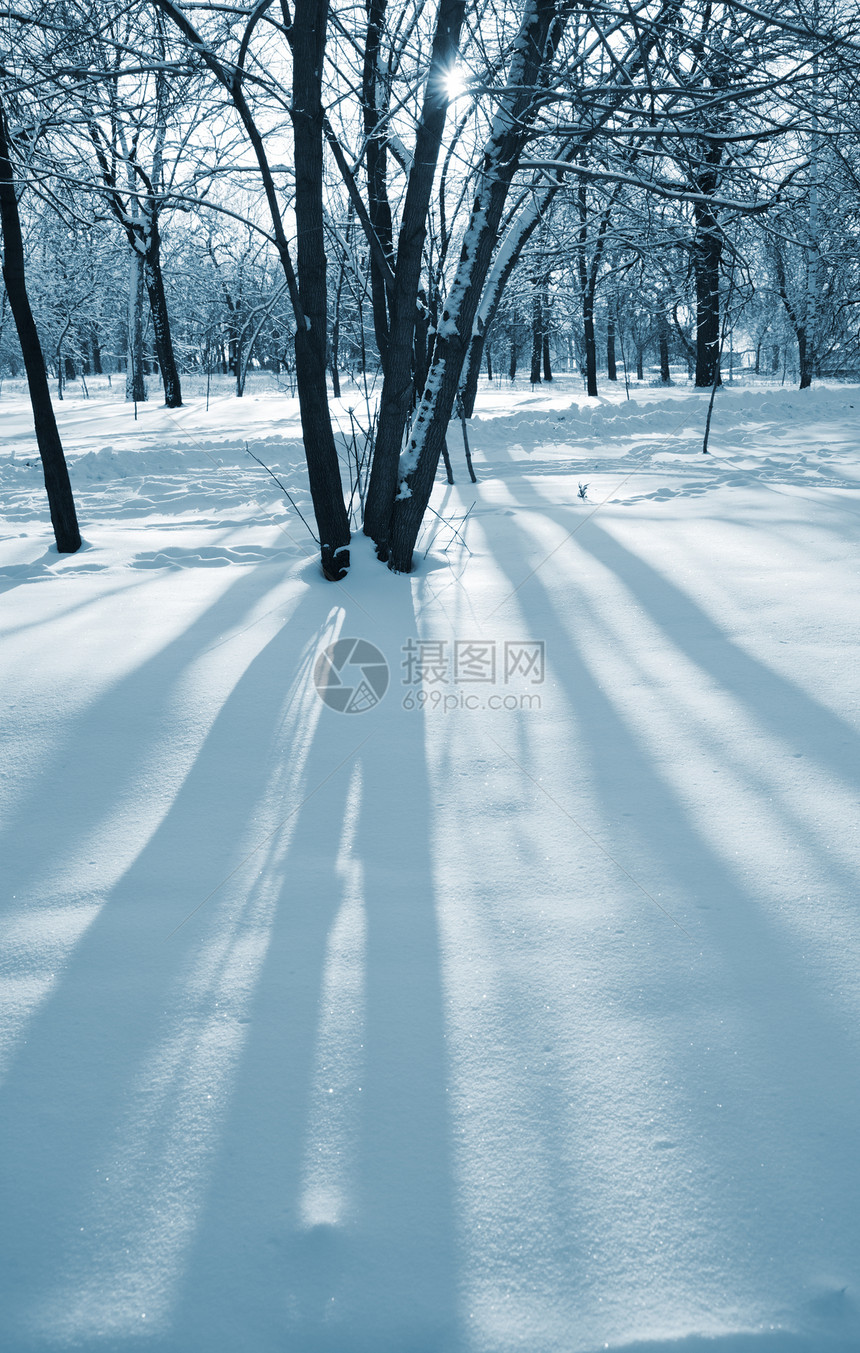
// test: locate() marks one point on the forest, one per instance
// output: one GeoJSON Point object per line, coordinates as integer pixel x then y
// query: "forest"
{"type": "Point", "coordinates": [404, 197]}
{"type": "Point", "coordinates": [429, 727]}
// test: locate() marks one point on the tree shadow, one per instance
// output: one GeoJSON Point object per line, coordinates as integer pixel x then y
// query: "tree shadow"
{"type": "Point", "coordinates": [739, 973]}
{"type": "Point", "coordinates": [777, 703]}
{"type": "Point", "coordinates": [173, 1164]}
{"type": "Point", "coordinates": [334, 1168]}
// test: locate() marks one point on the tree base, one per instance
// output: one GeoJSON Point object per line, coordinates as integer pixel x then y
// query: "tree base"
{"type": "Point", "coordinates": [335, 563]}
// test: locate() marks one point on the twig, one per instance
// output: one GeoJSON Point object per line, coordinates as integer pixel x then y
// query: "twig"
{"type": "Point", "coordinates": [462, 412]}
{"type": "Point", "coordinates": [285, 491]}
{"type": "Point", "coordinates": [447, 521]}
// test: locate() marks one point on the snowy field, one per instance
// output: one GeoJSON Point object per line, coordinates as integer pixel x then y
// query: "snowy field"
{"type": "Point", "coordinates": [519, 1010]}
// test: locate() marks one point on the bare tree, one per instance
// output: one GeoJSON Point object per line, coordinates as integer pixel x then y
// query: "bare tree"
{"type": "Point", "coordinates": [60, 499]}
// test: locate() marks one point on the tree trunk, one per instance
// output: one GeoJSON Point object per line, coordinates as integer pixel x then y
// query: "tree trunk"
{"type": "Point", "coordinates": [504, 263]}
{"type": "Point", "coordinates": [135, 383]}
{"type": "Point", "coordinates": [158, 307]}
{"type": "Point", "coordinates": [334, 345]}
{"type": "Point", "coordinates": [540, 31]}
{"type": "Point", "coordinates": [477, 348]}
{"type": "Point", "coordinates": [60, 499]}
{"type": "Point", "coordinates": [587, 285]}
{"type": "Point", "coordinates": [537, 335]}
{"type": "Point", "coordinates": [397, 387]}
{"type": "Point", "coordinates": [547, 363]}
{"type": "Point", "coordinates": [309, 35]}
{"type": "Point", "coordinates": [333, 366]}
{"type": "Point", "coordinates": [707, 256]}
{"type": "Point", "coordinates": [590, 344]}
{"type": "Point", "coordinates": [375, 101]}
{"type": "Point", "coordinates": [611, 367]}
{"type": "Point", "coordinates": [804, 354]}
{"type": "Point", "coordinates": [801, 333]}
{"type": "Point", "coordinates": [663, 342]}
{"type": "Point", "coordinates": [524, 225]}
{"type": "Point", "coordinates": [422, 343]}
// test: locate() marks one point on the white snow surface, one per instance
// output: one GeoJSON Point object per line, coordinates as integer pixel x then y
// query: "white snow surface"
{"type": "Point", "coordinates": [526, 1019]}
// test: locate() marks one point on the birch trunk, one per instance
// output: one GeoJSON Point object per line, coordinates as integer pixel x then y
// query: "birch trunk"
{"type": "Point", "coordinates": [397, 387]}
{"type": "Point", "coordinates": [540, 31]}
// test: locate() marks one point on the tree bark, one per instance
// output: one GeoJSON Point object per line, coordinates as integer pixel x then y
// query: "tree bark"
{"type": "Point", "coordinates": [60, 498]}
{"type": "Point", "coordinates": [707, 258]}
{"type": "Point", "coordinates": [798, 324]}
{"type": "Point", "coordinates": [707, 255]}
{"type": "Point", "coordinates": [308, 40]}
{"type": "Point", "coordinates": [154, 281]}
{"type": "Point", "coordinates": [504, 263]}
{"type": "Point", "coordinates": [514, 354]}
{"type": "Point", "coordinates": [477, 348]}
{"type": "Point", "coordinates": [135, 382]}
{"type": "Point", "coordinates": [663, 343]}
{"type": "Point", "coordinates": [590, 344]}
{"type": "Point", "coordinates": [397, 387]}
{"type": "Point", "coordinates": [547, 361]}
{"type": "Point", "coordinates": [539, 33]}
{"type": "Point", "coordinates": [334, 344]}
{"type": "Point", "coordinates": [374, 109]}
{"type": "Point", "coordinates": [537, 334]}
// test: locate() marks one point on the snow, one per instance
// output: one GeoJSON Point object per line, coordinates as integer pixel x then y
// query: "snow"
{"type": "Point", "coordinates": [522, 1017]}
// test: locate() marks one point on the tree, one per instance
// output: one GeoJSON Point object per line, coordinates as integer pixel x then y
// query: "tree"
{"type": "Point", "coordinates": [60, 499]}
{"type": "Point", "coordinates": [307, 293]}
{"type": "Point", "coordinates": [540, 32]}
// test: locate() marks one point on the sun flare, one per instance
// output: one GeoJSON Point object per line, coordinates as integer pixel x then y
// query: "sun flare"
{"type": "Point", "coordinates": [456, 83]}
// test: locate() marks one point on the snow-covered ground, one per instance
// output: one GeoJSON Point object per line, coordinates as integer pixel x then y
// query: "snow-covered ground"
{"type": "Point", "coordinates": [518, 1011]}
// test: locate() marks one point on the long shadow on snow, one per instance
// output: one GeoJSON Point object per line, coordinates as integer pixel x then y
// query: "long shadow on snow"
{"type": "Point", "coordinates": [122, 985]}
{"type": "Point", "coordinates": [370, 1266]}
{"type": "Point", "coordinates": [224, 1210]}
{"type": "Point", "coordinates": [47, 824]}
{"type": "Point", "coordinates": [783, 1090]}
{"type": "Point", "coordinates": [776, 703]}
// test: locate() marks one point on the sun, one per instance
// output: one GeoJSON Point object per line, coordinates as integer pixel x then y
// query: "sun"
{"type": "Point", "coordinates": [456, 83]}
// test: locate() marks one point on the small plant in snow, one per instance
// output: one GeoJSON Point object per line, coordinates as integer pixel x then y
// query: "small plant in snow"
{"type": "Point", "coordinates": [583, 490]}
